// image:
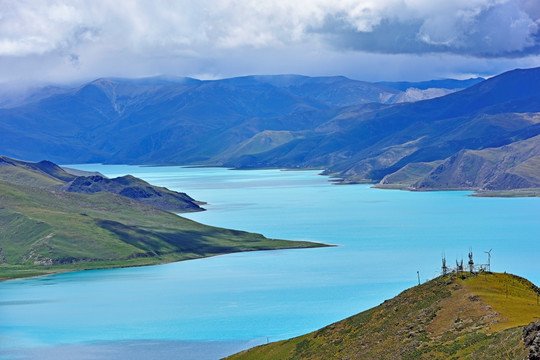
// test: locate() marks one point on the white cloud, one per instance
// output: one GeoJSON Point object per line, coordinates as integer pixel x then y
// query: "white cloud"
{"type": "Point", "coordinates": [136, 25]}
{"type": "Point", "coordinates": [86, 36]}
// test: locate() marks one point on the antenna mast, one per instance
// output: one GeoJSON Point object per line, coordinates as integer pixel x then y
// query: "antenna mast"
{"type": "Point", "coordinates": [489, 259]}
{"type": "Point", "coordinates": [459, 266]}
{"type": "Point", "coordinates": [444, 267]}
{"type": "Point", "coordinates": [471, 262]}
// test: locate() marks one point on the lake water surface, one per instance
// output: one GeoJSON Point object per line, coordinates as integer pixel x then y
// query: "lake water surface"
{"type": "Point", "coordinates": [208, 308]}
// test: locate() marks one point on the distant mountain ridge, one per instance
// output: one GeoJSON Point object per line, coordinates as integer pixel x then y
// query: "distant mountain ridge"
{"type": "Point", "coordinates": [349, 128]}
{"type": "Point", "coordinates": [353, 92]}
{"type": "Point", "coordinates": [507, 167]}
{"type": "Point", "coordinates": [432, 84]}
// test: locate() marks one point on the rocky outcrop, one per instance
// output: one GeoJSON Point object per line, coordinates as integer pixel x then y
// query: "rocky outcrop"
{"type": "Point", "coordinates": [531, 337]}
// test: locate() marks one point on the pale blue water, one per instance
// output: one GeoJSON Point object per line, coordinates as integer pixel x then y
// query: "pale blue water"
{"type": "Point", "coordinates": [205, 309]}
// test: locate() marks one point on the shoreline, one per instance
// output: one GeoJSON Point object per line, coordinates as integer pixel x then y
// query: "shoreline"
{"type": "Point", "coordinates": [512, 193]}
{"type": "Point", "coordinates": [335, 179]}
{"type": "Point", "coordinates": [34, 271]}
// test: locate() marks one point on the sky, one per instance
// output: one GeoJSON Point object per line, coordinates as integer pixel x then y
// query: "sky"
{"type": "Point", "coordinates": [70, 41]}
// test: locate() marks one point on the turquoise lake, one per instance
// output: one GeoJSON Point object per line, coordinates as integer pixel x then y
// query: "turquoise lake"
{"type": "Point", "coordinates": [209, 308]}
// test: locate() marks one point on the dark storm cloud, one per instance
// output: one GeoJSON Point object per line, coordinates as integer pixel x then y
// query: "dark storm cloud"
{"type": "Point", "coordinates": [388, 37]}
{"type": "Point", "coordinates": [506, 30]}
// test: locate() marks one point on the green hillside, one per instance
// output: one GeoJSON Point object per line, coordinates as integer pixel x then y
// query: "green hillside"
{"type": "Point", "coordinates": [42, 174]}
{"type": "Point", "coordinates": [471, 317]}
{"type": "Point", "coordinates": [47, 175]}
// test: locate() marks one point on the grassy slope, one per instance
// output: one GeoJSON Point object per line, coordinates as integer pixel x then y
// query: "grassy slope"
{"type": "Point", "coordinates": [26, 173]}
{"type": "Point", "coordinates": [48, 175]}
{"type": "Point", "coordinates": [45, 230]}
{"type": "Point", "coordinates": [446, 318]}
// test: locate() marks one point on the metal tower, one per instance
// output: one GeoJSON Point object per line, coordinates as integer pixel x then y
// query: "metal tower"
{"type": "Point", "coordinates": [459, 266]}
{"type": "Point", "coordinates": [444, 267]}
{"type": "Point", "coordinates": [489, 259]}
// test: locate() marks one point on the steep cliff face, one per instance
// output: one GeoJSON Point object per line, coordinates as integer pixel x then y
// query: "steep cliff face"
{"type": "Point", "coordinates": [531, 338]}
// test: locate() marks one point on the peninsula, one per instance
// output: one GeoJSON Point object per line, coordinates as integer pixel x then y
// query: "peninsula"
{"type": "Point", "coordinates": [53, 221]}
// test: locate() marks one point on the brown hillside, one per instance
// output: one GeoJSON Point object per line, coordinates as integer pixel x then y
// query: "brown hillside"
{"type": "Point", "coordinates": [468, 317]}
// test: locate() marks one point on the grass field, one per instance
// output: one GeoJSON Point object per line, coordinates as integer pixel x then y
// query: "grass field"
{"type": "Point", "coordinates": [514, 299]}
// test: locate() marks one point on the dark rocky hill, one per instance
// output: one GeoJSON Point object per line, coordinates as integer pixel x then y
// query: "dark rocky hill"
{"type": "Point", "coordinates": [136, 189]}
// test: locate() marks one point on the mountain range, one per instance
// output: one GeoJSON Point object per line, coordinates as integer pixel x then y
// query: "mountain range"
{"type": "Point", "coordinates": [356, 131]}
